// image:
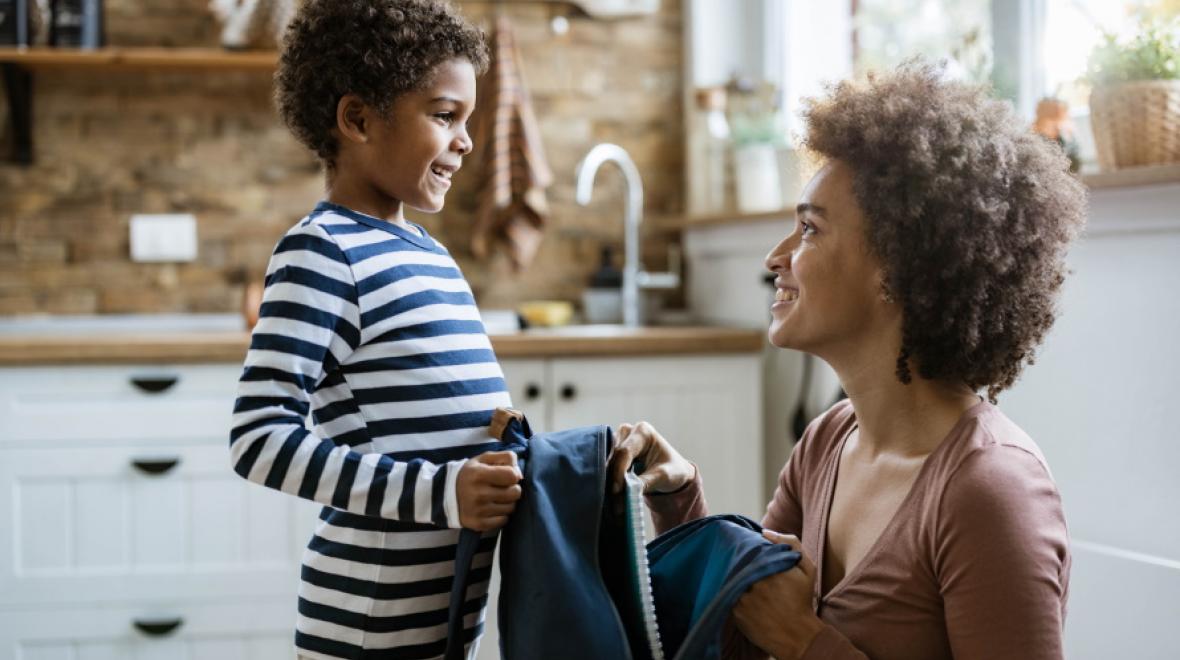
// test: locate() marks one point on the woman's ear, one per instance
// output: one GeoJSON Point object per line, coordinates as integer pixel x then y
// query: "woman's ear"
{"type": "Point", "coordinates": [352, 119]}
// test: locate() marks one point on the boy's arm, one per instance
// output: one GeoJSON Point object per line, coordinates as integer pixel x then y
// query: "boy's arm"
{"type": "Point", "coordinates": [308, 325]}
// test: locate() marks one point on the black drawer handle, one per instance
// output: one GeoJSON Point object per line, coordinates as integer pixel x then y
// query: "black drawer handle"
{"type": "Point", "coordinates": [532, 392]}
{"type": "Point", "coordinates": [158, 627]}
{"type": "Point", "coordinates": [154, 384]}
{"type": "Point", "coordinates": [155, 466]}
{"type": "Point", "coordinates": [568, 392]}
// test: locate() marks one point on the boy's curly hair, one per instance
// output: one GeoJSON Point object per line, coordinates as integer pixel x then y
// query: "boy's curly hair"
{"type": "Point", "coordinates": [376, 49]}
{"type": "Point", "coordinates": [968, 210]}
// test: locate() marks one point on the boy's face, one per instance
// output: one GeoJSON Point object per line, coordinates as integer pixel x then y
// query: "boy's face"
{"type": "Point", "coordinates": [414, 152]}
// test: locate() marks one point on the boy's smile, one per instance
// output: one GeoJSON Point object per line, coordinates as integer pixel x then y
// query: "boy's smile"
{"type": "Point", "coordinates": [408, 156]}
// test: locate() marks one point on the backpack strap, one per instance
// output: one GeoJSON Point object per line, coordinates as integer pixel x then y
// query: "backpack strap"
{"type": "Point", "coordinates": [512, 428]}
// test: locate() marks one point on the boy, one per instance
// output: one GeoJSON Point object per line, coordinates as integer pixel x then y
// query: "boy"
{"type": "Point", "coordinates": [368, 325]}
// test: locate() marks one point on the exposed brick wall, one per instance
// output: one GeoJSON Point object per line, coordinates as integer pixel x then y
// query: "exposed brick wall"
{"type": "Point", "coordinates": [111, 144]}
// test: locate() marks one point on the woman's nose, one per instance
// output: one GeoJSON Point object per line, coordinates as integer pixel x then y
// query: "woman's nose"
{"type": "Point", "coordinates": [780, 257]}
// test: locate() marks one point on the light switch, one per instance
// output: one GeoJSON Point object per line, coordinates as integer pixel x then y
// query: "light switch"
{"type": "Point", "coordinates": [163, 237]}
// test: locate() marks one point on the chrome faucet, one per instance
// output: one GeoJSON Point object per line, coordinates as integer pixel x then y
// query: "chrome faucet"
{"type": "Point", "coordinates": [634, 277]}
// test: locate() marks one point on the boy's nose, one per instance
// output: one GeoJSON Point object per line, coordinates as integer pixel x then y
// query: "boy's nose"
{"type": "Point", "coordinates": [463, 144]}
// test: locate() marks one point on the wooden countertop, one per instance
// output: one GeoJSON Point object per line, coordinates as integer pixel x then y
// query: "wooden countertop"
{"type": "Point", "coordinates": [198, 347]}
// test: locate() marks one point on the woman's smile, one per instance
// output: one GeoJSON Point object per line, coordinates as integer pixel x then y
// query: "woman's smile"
{"type": "Point", "coordinates": [784, 297]}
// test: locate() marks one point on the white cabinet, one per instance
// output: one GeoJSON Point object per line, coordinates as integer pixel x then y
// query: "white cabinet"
{"type": "Point", "coordinates": [708, 406]}
{"type": "Point", "coordinates": [127, 535]}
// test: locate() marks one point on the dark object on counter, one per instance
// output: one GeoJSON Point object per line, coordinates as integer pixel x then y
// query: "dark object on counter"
{"type": "Point", "coordinates": [76, 23]}
{"type": "Point", "coordinates": [602, 301]}
{"type": "Point", "coordinates": [607, 276]}
{"type": "Point", "coordinates": [14, 22]}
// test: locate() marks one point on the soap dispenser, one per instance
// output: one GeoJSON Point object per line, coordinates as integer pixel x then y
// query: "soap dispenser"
{"type": "Point", "coordinates": [602, 301]}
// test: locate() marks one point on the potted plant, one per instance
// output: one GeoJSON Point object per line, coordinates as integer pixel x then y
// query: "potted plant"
{"type": "Point", "coordinates": [1135, 98]}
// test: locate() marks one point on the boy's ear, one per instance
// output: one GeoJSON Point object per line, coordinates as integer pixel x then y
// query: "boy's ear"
{"type": "Point", "coordinates": [352, 118]}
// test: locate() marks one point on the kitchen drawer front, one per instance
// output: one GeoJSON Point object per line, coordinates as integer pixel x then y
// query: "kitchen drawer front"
{"type": "Point", "coordinates": [93, 525]}
{"type": "Point", "coordinates": [242, 630]}
{"type": "Point", "coordinates": [117, 403]}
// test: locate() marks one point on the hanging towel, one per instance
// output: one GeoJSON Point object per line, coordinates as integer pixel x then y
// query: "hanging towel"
{"type": "Point", "coordinates": [511, 198]}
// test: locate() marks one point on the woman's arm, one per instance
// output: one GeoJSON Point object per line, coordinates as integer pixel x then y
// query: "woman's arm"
{"type": "Point", "coordinates": [1002, 557]}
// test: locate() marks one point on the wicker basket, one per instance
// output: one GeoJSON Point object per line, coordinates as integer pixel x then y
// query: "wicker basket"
{"type": "Point", "coordinates": [1136, 123]}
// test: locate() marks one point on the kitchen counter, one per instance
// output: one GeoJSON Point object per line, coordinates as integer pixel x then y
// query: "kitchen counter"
{"type": "Point", "coordinates": [198, 346]}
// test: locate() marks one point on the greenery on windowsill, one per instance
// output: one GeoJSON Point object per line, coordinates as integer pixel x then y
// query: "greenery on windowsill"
{"type": "Point", "coordinates": [1152, 54]}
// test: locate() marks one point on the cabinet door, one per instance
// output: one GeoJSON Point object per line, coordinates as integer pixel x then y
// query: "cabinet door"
{"type": "Point", "coordinates": [528, 384]}
{"type": "Point", "coordinates": [709, 408]}
{"type": "Point", "coordinates": [126, 523]}
{"type": "Point", "coordinates": [257, 630]}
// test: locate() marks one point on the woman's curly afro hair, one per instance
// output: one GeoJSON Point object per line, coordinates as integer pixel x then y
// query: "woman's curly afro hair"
{"type": "Point", "coordinates": [969, 212]}
{"type": "Point", "coordinates": [376, 49]}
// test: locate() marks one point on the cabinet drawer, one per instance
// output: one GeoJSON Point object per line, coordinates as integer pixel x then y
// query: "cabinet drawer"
{"type": "Point", "coordinates": [117, 404]}
{"type": "Point", "coordinates": [251, 630]}
{"type": "Point", "coordinates": [122, 523]}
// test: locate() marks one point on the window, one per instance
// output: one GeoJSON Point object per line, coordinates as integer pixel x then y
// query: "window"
{"type": "Point", "coordinates": [886, 32]}
{"type": "Point", "coordinates": [1074, 27]}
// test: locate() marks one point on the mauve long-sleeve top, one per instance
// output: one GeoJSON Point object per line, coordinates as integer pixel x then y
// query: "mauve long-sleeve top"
{"type": "Point", "coordinates": [974, 565]}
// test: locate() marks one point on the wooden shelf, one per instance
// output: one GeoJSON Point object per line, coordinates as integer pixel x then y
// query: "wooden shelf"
{"type": "Point", "coordinates": [1133, 176]}
{"type": "Point", "coordinates": [115, 58]}
{"type": "Point", "coordinates": [18, 65]}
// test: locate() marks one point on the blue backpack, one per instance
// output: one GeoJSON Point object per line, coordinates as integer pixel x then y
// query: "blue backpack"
{"type": "Point", "coordinates": [567, 568]}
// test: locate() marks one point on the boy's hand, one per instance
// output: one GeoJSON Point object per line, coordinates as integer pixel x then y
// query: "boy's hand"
{"type": "Point", "coordinates": [488, 487]}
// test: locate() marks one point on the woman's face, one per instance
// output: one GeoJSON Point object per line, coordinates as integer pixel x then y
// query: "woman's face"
{"type": "Point", "coordinates": [828, 286]}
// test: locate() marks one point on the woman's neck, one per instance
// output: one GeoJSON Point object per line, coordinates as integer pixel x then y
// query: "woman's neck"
{"type": "Point", "coordinates": [900, 418]}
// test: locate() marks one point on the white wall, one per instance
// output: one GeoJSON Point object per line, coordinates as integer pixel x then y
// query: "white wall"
{"type": "Point", "coordinates": [1100, 401]}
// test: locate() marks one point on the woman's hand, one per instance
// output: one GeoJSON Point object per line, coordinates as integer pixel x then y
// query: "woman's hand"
{"type": "Point", "coordinates": [664, 469]}
{"type": "Point", "coordinates": [776, 613]}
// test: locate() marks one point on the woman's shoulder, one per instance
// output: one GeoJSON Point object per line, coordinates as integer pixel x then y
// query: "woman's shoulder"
{"type": "Point", "coordinates": [986, 436]}
{"type": "Point", "coordinates": [991, 462]}
{"type": "Point", "coordinates": [997, 493]}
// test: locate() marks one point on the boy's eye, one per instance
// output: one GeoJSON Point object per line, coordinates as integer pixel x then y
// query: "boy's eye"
{"type": "Point", "coordinates": [447, 118]}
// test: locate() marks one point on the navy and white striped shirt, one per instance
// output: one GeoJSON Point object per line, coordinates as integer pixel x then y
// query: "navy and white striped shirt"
{"type": "Point", "coordinates": [368, 381]}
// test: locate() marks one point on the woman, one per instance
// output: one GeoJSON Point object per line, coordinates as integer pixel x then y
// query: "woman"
{"type": "Point", "coordinates": [923, 267]}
